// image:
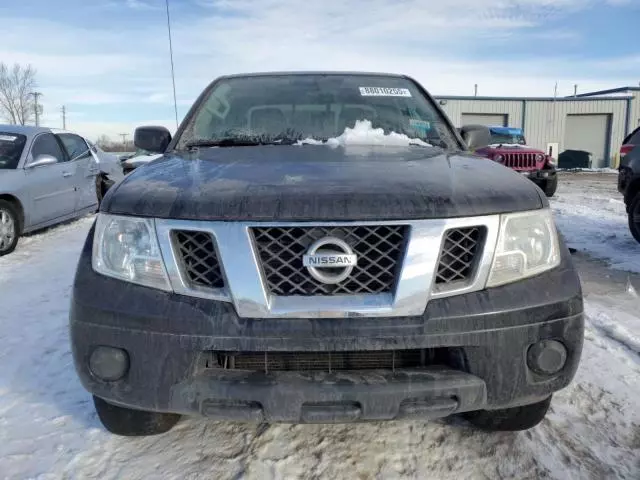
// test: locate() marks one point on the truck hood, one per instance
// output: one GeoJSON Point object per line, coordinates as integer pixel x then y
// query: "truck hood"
{"type": "Point", "coordinates": [320, 183]}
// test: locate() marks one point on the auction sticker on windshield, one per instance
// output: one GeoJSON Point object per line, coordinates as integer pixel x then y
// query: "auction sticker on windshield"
{"type": "Point", "coordinates": [8, 138]}
{"type": "Point", "coordinates": [384, 92]}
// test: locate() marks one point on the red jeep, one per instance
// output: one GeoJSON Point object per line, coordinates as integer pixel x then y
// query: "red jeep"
{"type": "Point", "coordinates": [509, 147]}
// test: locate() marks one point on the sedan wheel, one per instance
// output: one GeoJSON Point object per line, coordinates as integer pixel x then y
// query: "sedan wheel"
{"type": "Point", "coordinates": [8, 228]}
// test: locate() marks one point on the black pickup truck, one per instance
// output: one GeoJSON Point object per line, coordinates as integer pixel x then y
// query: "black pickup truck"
{"type": "Point", "coordinates": [629, 179]}
{"type": "Point", "coordinates": [322, 247]}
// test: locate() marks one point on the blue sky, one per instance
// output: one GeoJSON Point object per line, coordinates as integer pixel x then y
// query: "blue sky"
{"type": "Point", "coordinates": [107, 60]}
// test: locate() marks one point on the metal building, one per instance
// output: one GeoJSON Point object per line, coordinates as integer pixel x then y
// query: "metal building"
{"type": "Point", "coordinates": [595, 122]}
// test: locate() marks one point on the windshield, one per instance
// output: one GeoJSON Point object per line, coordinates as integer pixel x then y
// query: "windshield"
{"type": "Point", "coordinates": [11, 146]}
{"type": "Point", "coordinates": [507, 139]}
{"type": "Point", "coordinates": [290, 108]}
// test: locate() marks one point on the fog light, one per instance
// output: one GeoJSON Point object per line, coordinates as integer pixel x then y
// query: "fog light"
{"type": "Point", "coordinates": [547, 357]}
{"type": "Point", "coordinates": [109, 363]}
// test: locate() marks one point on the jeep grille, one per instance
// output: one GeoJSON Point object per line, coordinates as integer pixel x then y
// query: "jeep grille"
{"type": "Point", "coordinates": [460, 251]}
{"type": "Point", "coordinates": [197, 258]}
{"type": "Point", "coordinates": [379, 249]}
{"type": "Point", "coordinates": [520, 161]}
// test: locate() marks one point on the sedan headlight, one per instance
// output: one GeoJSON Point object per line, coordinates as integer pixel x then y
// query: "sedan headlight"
{"type": "Point", "coordinates": [127, 248]}
{"type": "Point", "coordinates": [527, 245]}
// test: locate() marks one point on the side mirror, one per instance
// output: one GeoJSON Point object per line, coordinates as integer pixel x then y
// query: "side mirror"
{"type": "Point", "coordinates": [476, 136]}
{"type": "Point", "coordinates": [42, 160]}
{"type": "Point", "coordinates": [152, 139]}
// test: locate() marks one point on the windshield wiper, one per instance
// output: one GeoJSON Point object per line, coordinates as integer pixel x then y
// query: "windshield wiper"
{"type": "Point", "coordinates": [236, 142]}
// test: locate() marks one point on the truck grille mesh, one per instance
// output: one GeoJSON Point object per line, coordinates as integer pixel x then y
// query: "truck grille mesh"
{"type": "Point", "coordinates": [197, 258]}
{"type": "Point", "coordinates": [524, 161]}
{"type": "Point", "coordinates": [328, 361]}
{"type": "Point", "coordinates": [461, 249]}
{"type": "Point", "coordinates": [379, 249]}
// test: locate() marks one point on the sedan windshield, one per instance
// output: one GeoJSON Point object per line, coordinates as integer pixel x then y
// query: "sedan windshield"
{"type": "Point", "coordinates": [312, 108]}
{"type": "Point", "coordinates": [11, 146]}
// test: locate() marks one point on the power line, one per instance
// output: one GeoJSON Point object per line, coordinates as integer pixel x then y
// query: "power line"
{"type": "Point", "coordinates": [35, 106]}
{"type": "Point", "coordinates": [173, 76]}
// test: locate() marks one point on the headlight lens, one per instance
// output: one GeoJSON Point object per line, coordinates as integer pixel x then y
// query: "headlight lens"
{"type": "Point", "coordinates": [498, 158]}
{"type": "Point", "coordinates": [127, 248]}
{"type": "Point", "coordinates": [527, 245]}
{"type": "Point", "coordinates": [539, 157]}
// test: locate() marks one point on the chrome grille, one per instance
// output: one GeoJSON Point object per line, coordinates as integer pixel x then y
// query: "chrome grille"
{"type": "Point", "coordinates": [460, 251]}
{"type": "Point", "coordinates": [524, 161]}
{"type": "Point", "coordinates": [379, 249]}
{"type": "Point", "coordinates": [327, 361]}
{"type": "Point", "coordinates": [197, 258]}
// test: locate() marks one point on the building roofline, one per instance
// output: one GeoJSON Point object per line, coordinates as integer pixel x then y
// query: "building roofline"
{"type": "Point", "coordinates": [610, 90]}
{"type": "Point", "coordinates": [533, 99]}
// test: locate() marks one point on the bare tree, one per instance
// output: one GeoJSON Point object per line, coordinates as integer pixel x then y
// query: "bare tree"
{"type": "Point", "coordinates": [16, 84]}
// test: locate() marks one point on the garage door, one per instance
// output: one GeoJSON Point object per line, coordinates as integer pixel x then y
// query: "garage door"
{"type": "Point", "coordinates": [488, 119]}
{"type": "Point", "coordinates": [588, 133]}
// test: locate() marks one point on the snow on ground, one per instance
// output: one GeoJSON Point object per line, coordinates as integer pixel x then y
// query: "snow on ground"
{"type": "Point", "coordinates": [591, 214]}
{"type": "Point", "coordinates": [48, 429]}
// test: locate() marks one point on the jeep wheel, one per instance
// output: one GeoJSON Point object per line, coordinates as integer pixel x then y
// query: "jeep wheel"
{"type": "Point", "coordinates": [510, 419]}
{"type": "Point", "coordinates": [133, 423]}
{"type": "Point", "coordinates": [634, 217]}
{"type": "Point", "coordinates": [550, 186]}
{"type": "Point", "coordinates": [9, 227]}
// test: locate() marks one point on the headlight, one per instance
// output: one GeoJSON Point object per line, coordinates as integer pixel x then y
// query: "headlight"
{"type": "Point", "coordinates": [498, 158]}
{"type": "Point", "coordinates": [127, 248]}
{"type": "Point", "coordinates": [527, 245]}
{"type": "Point", "coordinates": [539, 157]}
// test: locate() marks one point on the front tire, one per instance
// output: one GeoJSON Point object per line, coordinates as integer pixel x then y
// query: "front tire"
{"type": "Point", "coordinates": [510, 419]}
{"type": "Point", "coordinates": [9, 227]}
{"type": "Point", "coordinates": [133, 423]}
{"type": "Point", "coordinates": [634, 217]}
{"type": "Point", "coordinates": [550, 186]}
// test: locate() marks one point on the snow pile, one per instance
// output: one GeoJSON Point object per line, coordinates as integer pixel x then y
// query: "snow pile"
{"type": "Point", "coordinates": [593, 219]}
{"type": "Point", "coordinates": [589, 170]}
{"type": "Point", "coordinates": [509, 145]}
{"type": "Point", "coordinates": [363, 133]}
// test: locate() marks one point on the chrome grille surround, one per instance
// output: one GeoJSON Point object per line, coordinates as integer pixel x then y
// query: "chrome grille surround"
{"type": "Point", "coordinates": [245, 286]}
{"type": "Point", "coordinates": [379, 250]}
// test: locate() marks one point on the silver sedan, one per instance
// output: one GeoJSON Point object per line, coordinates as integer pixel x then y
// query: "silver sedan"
{"type": "Point", "coordinates": [46, 177]}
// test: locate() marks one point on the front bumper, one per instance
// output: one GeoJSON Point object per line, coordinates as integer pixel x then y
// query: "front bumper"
{"type": "Point", "coordinates": [539, 175]}
{"type": "Point", "coordinates": [169, 339]}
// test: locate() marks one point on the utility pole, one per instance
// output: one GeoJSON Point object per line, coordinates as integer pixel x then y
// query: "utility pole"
{"type": "Point", "coordinates": [64, 118]}
{"type": "Point", "coordinates": [475, 90]}
{"type": "Point", "coordinates": [35, 106]}
{"type": "Point", "coordinates": [124, 139]}
{"type": "Point", "coordinates": [173, 75]}
{"type": "Point", "coordinates": [575, 90]}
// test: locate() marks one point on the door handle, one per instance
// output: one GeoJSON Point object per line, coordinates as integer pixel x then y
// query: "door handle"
{"type": "Point", "coordinates": [66, 174]}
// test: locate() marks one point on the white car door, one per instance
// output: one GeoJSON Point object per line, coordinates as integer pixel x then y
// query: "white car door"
{"type": "Point", "coordinates": [51, 189]}
{"type": "Point", "coordinates": [85, 170]}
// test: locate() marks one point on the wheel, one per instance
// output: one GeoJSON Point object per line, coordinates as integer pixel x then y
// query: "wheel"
{"type": "Point", "coordinates": [9, 227]}
{"type": "Point", "coordinates": [101, 188]}
{"type": "Point", "coordinates": [510, 419]}
{"type": "Point", "coordinates": [550, 186]}
{"type": "Point", "coordinates": [133, 423]}
{"type": "Point", "coordinates": [634, 217]}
